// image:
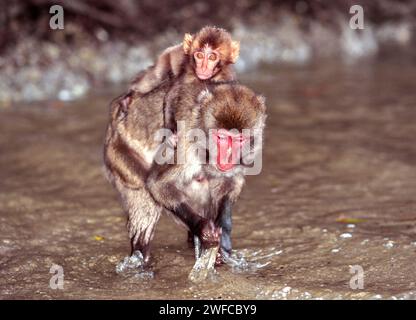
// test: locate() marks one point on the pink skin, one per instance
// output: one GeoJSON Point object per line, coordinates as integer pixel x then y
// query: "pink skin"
{"type": "Point", "coordinates": [228, 147]}
{"type": "Point", "coordinates": [206, 60]}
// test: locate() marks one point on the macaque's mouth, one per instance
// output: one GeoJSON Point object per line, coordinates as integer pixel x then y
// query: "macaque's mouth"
{"type": "Point", "coordinates": [225, 166]}
{"type": "Point", "coordinates": [204, 76]}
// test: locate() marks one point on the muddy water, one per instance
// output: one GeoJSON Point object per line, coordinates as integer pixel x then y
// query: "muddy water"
{"type": "Point", "coordinates": [337, 189]}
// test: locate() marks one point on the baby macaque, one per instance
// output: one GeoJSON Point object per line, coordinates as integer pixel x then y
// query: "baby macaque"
{"type": "Point", "coordinates": [210, 53]}
{"type": "Point", "coordinates": [207, 56]}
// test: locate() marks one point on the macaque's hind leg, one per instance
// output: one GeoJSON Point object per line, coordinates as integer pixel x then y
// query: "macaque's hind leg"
{"type": "Point", "coordinates": [143, 215]}
{"type": "Point", "coordinates": [208, 233]}
{"type": "Point", "coordinates": [224, 255]}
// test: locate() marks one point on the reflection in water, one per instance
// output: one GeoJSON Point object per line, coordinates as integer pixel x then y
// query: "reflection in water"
{"type": "Point", "coordinates": [337, 190]}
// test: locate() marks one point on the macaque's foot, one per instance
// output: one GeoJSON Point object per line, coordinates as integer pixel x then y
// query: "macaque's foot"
{"type": "Point", "coordinates": [209, 234]}
{"type": "Point", "coordinates": [135, 265]}
{"type": "Point", "coordinates": [237, 262]}
{"type": "Point", "coordinates": [222, 256]}
{"type": "Point", "coordinates": [204, 265]}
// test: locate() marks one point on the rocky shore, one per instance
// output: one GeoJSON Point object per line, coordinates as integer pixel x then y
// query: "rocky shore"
{"type": "Point", "coordinates": [39, 63]}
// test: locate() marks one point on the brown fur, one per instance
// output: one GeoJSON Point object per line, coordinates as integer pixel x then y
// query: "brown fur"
{"type": "Point", "coordinates": [173, 61]}
{"type": "Point", "coordinates": [146, 188]}
{"type": "Point", "coordinates": [233, 107]}
{"type": "Point", "coordinates": [168, 66]}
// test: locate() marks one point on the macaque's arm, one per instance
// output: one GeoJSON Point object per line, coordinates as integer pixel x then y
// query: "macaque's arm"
{"type": "Point", "coordinates": [167, 66]}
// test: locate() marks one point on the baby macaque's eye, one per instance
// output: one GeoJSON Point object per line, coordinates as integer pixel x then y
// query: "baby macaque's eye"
{"type": "Point", "coordinates": [199, 55]}
{"type": "Point", "coordinates": [212, 57]}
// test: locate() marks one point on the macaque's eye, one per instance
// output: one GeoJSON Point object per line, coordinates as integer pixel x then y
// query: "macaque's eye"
{"type": "Point", "coordinates": [212, 57]}
{"type": "Point", "coordinates": [222, 137]}
{"type": "Point", "coordinates": [199, 55]}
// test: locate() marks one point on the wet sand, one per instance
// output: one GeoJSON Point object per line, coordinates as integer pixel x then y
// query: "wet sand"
{"type": "Point", "coordinates": [337, 189]}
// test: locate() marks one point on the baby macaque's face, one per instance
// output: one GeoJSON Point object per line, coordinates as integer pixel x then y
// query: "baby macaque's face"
{"type": "Point", "coordinates": [206, 61]}
{"type": "Point", "coordinates": [210, 50]}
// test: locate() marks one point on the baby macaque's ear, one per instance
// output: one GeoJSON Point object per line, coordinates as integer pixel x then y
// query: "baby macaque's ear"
{"type": "Point", "coordinates": [187, 43]}
{"type": "Point", "coordinates": [235, 51]}
{"type": "Point", "coordinates": [204, 96]}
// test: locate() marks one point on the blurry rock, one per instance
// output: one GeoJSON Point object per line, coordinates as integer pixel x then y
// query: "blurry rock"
{"type": "Point", "coordinates": [104, 46]}
{"type": "Point", "coordinates": [358, 43]}
{"type": "Point", "coordinates": [395, 33]}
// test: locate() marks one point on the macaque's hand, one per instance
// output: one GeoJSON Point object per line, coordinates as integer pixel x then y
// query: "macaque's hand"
{"type": "Point", "coordinates": [209, 234]}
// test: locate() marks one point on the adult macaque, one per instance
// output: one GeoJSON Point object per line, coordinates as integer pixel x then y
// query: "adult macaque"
{"type": "Point", "coordinates": [198, 195]}
{"type": "Point", "coordinates": [210, 53]}
{"type": "Point", "coordinates": [197, 190]}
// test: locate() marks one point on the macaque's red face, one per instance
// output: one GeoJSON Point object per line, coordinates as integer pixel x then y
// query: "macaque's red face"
{"type": "Point", "coordinates": [206, 60]}
{"type": "Point", "coordinates": [229, 146]}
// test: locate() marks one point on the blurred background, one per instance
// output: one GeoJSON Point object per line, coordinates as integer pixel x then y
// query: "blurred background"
{"type": "Point", "coordinates": [108, 42]}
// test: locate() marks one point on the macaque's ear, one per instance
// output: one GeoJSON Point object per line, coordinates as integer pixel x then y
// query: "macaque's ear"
{"type": "Point", "coordinates": [204, 96]}
{"type": "Point", "coordinates": [235, 51]}
{"type": "Point", "coordinates": [187, 43]}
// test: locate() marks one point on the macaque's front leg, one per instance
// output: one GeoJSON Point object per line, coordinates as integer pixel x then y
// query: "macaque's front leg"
{"type": "Point", "coordinates": [203, 228]}
{"type": "Point", "coordinates": [224, 221]}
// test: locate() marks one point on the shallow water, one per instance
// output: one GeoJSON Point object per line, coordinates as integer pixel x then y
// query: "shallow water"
{"type": "Point", "coordinates": [337, 189]}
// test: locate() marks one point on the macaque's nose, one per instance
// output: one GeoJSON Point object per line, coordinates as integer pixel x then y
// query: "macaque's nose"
{"type": "Point", "coordinates": [204, 64]}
